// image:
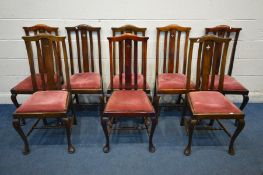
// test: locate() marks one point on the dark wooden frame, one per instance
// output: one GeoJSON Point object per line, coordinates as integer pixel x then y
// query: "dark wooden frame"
{"type": "Point", "coordinates": [49, 59]}
{"type": "Point", "coordinates": [209, 48]}
{"type": "Point", "coordinates": [85, 56]}
{"type": "Point", "coordinates": [117, 31]}
{"type": "Point", "coordinates": [126, 41]}
{"type": "Point", "coordinates": [174, 31]}
{"type": "Point", "coordinates": [225, 31]}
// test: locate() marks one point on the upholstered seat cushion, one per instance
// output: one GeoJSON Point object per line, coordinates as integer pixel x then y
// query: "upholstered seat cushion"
{"type": "Point", "coordinates": [230, 84]}
{"type": "Point", "coordinates": [129, 101]}
{"type": "Point", "coordinates": [172, 81]}
{"type": "Point", "coordinates": [45, 101]}
{"type": "Point", "coordinates": [116, 82]}
{"type": "Point", "coordinates": [87, 80]}
{"type": "Point", "coordinates": [204, 102]}
{"type": "Point", "coordinates": [26, 84]}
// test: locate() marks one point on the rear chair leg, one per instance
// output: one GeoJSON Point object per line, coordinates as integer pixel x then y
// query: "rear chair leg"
{"type": "Point", "coordinates": [183, 113]}
{"type": "Point", "coordinates": [243, 104]}
{"type": "Point", "coordinates": [192, 124]}
{"type": "Point", "coordinates": [68, 125]}
{"type": "Point", "coordinates": [16, 125]}
{"type": "Point", "coordinates": [106, 147]}
{"type": "Point", "coordinates": [154, 123]}
{"type": "Point", "coordinates": [240, 126]}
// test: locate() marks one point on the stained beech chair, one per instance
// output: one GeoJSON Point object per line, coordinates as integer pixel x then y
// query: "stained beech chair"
{"type": "Point", "coordinates": [49, 101]}
{"type": "Point", "coordinates": [170, 70]}
{"type": "Point", "coordinates": [231, 85]}
{"type": "Point", "coordinates": [117, 31]}
{"type": "Point", "coordinates": [88, 78]}
{"type": "Point", "coordinates": [128, 101]}
{"type": "Point", "coordinates": [25, 86]}
{"type": "Point", "coordinates": [207, 101]}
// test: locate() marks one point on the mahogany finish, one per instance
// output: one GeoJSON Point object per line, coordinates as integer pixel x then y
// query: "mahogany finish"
{"type": "Point", "coordinates": [87, 40]}
{"type": "Point", "coordinates": [207, 66]}
{"type": "Point", "coordinates": [128, 63]}
{"type": "Point", "coordinates": [50, 73]}
{"type": "Point", "coordinates": [225, 31]}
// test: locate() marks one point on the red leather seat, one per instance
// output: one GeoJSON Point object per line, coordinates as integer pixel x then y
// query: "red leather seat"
{"type": "Point", "coordinates": [211, 102]}
{"type": "Point", "coordinates": [87, 80]}
{"type": "Point", "coordinates": [172, 81]}
{"type": "Point", "coordinates": [116, 82]}
{"type": "Point", "coordinates": [45, 101]}
{"type": "Point", "coordinates": [129, 101]}
{"type": "Point", "coordinates": [26, 84]}
{"type": "Point", "coordinates": [230, 84]}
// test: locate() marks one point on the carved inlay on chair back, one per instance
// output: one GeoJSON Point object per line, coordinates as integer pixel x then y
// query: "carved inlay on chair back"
{"type": "Point", "coordinates": [84, 36]}
{"type": "Point", "coordinates": [47, 75]}
{"type": "Point", "coordinates": [225, 31]}
{"type": "Point", "coordinates": [207, 59]}
{"type": "Point", "coordinates": [128, 60]}
{"type": "Point", "coordinates": [172, 43]}
{"type": "Point", "coordinates": [117, 31]}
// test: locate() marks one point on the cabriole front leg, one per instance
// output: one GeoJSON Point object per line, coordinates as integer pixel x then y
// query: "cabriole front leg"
{"type": "Point", "coordinates": [106, 147]}
{"type": "Point", "coordinates": [68, 126]}
{"type": "Point", "coordinates": [16, 125]}
{"type": "Point", "coordinates": [192, 124]}
{"type": "Point", "coordinates": [151, 145]}
{"type": "Point", "coordinates": [240, 126]}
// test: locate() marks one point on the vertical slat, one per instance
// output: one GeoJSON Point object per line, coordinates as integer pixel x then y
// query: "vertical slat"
{"type": "Point", "coordinates": [111, 65]}
{"type": "Point", "coordinates": [222, 70]}
{"type": "Point", "coordinates": [57, 60]}
{"type": "Point", "coordinates": [198, 66]}
{"type": "Point", "coordinates": [91, 51]}
{"type": "Point", "coordinates": [165, 52]}
{"type": "Point", "coordinates": [114, 54]}
{"type": "Point", "coordinates": [232, 57]}
{"type": "Point", "coordinates": [128, 74]}
{"type": "Point", "coordinates": [70, 52]}
{"type": "Point", "coordinates": [40, 65]}
{"type": "Point", "coordinates": [135, 65]}
{"type": "Point", "coordinates": [99, 50]}
{"type": "Point", "coordinates": [217, 56]}
{"type": "Point", "coordinates": [78, 50]}
{"type": "Point", "coordinates": [178, 52]}
{"type": "Point", "coordinates": [144, 59]}
{"type": "Point", "coordinates": [157, 54]}
{"type": "Point", "coordinates": [189, 66]}
{"type": "Point", "coordinates": [66, 64]}
{"type": "Point", "coordinates": [185, 51]}
{"type": "Point", "coordinates": [59, 52]}
{"type": "Point", "coordinates": [120, 64]}
{"type": "Point", "coordinates": [206, 62]}
{"type": "Point", "coordinates": [171, 51]}
{"type": "Point", "coordinates": [85, 49]}
{"type": "Point", "coordinates": [31, 64]}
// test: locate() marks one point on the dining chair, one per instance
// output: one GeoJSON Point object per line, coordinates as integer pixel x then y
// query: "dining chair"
{"type": "Point", "coordinates": [128, 101]}
{"type": "Point", "coordinates": [87, 79]}
{"type": "Point", "coordinates": [49, 101]}
{"type": "Point", "coordinates": [117, 31]}
{"type": "Point", "coordinates": [207, 101]}
{"type": "Point", "coordinates": [171, 60]}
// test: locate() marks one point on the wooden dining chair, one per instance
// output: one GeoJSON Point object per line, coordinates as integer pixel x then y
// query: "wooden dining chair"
{"type": "Point", "coordinates": [171, 60]}
{"type": "Point", "coordinates": [231, 85]}
{"type": "Point", "coordinates": [49, 101]}
{"type": "Point", "coordinates": [117, 31]}
{"type": "Point", "coordinates": [88, 78]}
{"type": "Point", "coordinates": [128, 101]}
{"type": "Point", "coordinates": [207, 100]}
{"type": "Point", "coordinates": [25, 86]}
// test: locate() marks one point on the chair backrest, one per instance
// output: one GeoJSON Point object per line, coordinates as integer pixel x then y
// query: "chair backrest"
{"type": "Point", "coordinates": [128, 59]}
{"type": "Point", "coordinates": [225, 31]}
{"type": "Point", "coordinates": [85, 37]}
{"type": "Point", "coordinates": [172, 34]}
{"type": "Point", "coordinates": [209, 47]}
{"type": "Point", "coordinates": [46, 53]}
{"type": "Point", "coordinates": [117, 31]}
{"type": "Point", "coordinates": [43, 29]}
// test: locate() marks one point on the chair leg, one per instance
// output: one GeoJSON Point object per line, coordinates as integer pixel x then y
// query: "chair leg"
{"type": "Point", "coordinates": [73, 110]}
{"type": "Point", "coordinates": [106, 147]}
{"type": "Point", "coordinates": [151, 145]}
{"type": "Point", "coordinates": [15, 102]}
{"type": "Point", "coordinates": [211, 123]}
{"type": "Point", "coordinates": [178, 101]}
{"type": "Point", "coordinates": [68, 126]}
{"type": "Point", "coordinates": [192, 124]}
{"type": "Point", "coordinates": [243, 104]}
{"type": "Point", "coordinates": [183, 113]}
{"type": "Point", "coordinates": [240, 126]}
{"type": "Point", "coordinates": [16, 125]}
{"type": "Point", "coordinates": [77, 98]}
